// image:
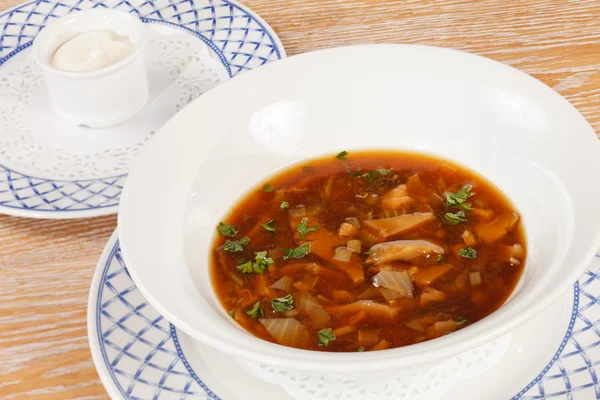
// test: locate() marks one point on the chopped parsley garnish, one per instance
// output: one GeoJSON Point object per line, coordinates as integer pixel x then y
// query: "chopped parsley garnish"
{"type": "Point", "coordinates": [465, 206]}
{"type": "Point", "coordinates": [461, 321]}
{"type": "Point", "coordinates": [354, 174]}
{"type": "Point", "coordinates": [268, 188]}
{"type": "Point", "coordinates": [269, 225]}
{"type": "Point", "coordinates": [262, 262]}
{"type": "Point", "coordinates": [246, 216]}
{"type": "Point", "coordinates": [304, 229]}
{"type": "Point", "coordinates": [284, 205]}
{"type": "Point", "coordinates": [255, 312]}
{"type": "Point", "coordinates": [298, 252]}
{"type": "Point", "coordinates": [468, 252]}
{"type": "Point", "coordinates": [374, 174]}
{"type": "Point", "coordinates": [325, 336]}
{"type": "Point", "coordinates": [361, 349]}
{"type": "Point", "coordinates": [285, 303]}
{"type": "Point", "coordinates": [455, 218]}
{"type": "Point", "coordinates": [246, 267]}
{"type": "Point", "coordinates": [231, 313]}
{"type": "Point", "coordinates": [440, 259]}
{"type": "Point", "coordinates": [227, 230]}
{"type": "Point", "coordinates": [236, 246]}
{"type": "Point", "coordinates": [342, 156]}
{"type": "Point", "coordinates": [459, 199]}
{"type": "Point", "coordinates": [259, 266]}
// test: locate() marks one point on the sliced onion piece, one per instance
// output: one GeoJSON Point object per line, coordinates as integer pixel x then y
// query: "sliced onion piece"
{"type": "Point", "coordinates": [236, 279]}
{"type": "Point", "coordinates": [284, 283]}
{"type": "Point", "coordinates": [343, 254]}
{"type": "Point", "coordinates": [389, 295]}
{"type": "Point", "coordinates": [382, 345]}
{"type": "Point", "coordinates": [305, 302]}
{"type": "Point", "coordinates": [287, 331]}
{"type": "Point", "coordinates": [355, 245]}
{"type": "Point", "coordinates": [368, 337]}
{"type": "Point", "coordinates": [298, 211]}
{"type": "Point", "coordinates": [475, 278]}
{"type": "Point", "coordinates": [397, 281]}
{"type": "Point", "coordinates": [353, 221]}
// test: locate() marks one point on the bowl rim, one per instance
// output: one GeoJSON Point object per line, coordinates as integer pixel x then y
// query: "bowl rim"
{"type": "Point", "coordinates": [323, 361]}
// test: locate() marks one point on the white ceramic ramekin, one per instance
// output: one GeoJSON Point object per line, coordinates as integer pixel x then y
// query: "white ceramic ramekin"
{"type": "Point", "coordinates": [103, 97]}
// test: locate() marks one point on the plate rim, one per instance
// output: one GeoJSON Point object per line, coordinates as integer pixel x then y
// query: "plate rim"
{"type": "Point", "coordinates": [113, 208]}
{"type": "Point", "coordinates": [115, 392]}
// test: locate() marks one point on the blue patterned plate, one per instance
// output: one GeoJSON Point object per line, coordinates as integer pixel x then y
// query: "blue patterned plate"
{"type": "Point", "coordinates": [49, 170]}
{"type": "Point", "coordinates": [139, 355]}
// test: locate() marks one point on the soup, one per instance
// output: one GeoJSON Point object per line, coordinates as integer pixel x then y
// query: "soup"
{"type": "Point", "coordinates": [367, 251]}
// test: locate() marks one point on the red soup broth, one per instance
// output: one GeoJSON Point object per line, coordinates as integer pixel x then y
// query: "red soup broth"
{"type": "Point", "coordinates": [367, 251]}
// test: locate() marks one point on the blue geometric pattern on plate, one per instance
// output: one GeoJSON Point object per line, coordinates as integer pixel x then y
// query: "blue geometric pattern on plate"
{"type": "Point", "coordinates": [142, 353]}
{"type": "Point", "coordinates": [571, 373]}
{"type": "Point", "coordinates": [240, 39]}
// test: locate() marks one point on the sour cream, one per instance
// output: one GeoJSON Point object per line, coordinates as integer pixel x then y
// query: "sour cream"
{"type": "Point", "coordinates": [91, 51]}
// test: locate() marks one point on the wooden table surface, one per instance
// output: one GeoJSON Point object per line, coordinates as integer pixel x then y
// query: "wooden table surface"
{"type": "Point", "coordinates": [46, 266]}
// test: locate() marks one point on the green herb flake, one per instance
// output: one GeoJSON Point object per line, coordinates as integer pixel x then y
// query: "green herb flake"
{"type": "Point", "coordinates": [461, 321]}
{"type": "Point", "coordinates": [361, 349]}
{"type": "Point", "coordinates": [270, 225]}
{"type": "Point", "coordinates": [268, 188]}
{"type": "Point", "coordinates": [455, 218]}
{"type": "Point", "coordinates": [325, 336]}
{"type": "Point", "coordinates": [246, 267]}
{"type": "Point", "coordinates": [342, 156]}
{"type": "Point", "coordinates": [460, 197]}
{"type": "Point", "coordinates": [354, 174]}
{"type": "Point", "coordinates": [304, 229]}
{"type": "Point", "coordinates": [468, 252]}
{"type": "Point", "coordinates": [298, 252]}
{"type": "Point", "coordinates": [465, 206]}
{"type": "Point", "coordinates": [236, 246]}
{"type": "Point", "coordinates": [284, 205]}
{"type": "Point", "coordinates": [440, 259]}
{"type": "Point", "coordinates": [246, 216]}
{"type": "Point", "coordinates": [255, 312]}
{"type": "Point", "coordinates": [262, 262]}
{"type": "Point", "coordinates": [259, 266]}
{"type": "Point", "coordinates": [369, 175]}
{"type": "Point", "coordinates": [231, 313]}
{"type": "Point", "coordinates": [227, 230]}
{"type": "Point", "coordinates": [285, 303]}
{"type": "Point", "coordinates": [376, 174]}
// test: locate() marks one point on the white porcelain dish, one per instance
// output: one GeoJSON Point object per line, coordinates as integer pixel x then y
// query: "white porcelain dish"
{"type": "Point", "coordinates": [102, 97]}
{"type": "Point", "coordinates": [502, 123]}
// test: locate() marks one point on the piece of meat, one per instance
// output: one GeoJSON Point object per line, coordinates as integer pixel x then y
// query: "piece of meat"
{"type": "Point", "coordinates": [427, 275]}
{"type": "Point", "coordinates": [396, 198]}
{"type": "Point", "coordinates": [403, 250]}
{"type": "Point", "coordinates": [429, 295]}
{"type": "Point", "coordinates": [371, 308]}
{"type": "Point", "coordinates": [386, 228]}
{"type": "Point", "coordinates": [497, 228]}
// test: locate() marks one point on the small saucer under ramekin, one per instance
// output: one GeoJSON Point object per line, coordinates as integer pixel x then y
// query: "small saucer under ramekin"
{"type": "Point", "coordinates": [51, 169]}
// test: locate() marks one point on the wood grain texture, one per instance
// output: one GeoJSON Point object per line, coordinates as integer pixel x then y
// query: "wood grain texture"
{"type": "Point", "coordinates": [46, 266]}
